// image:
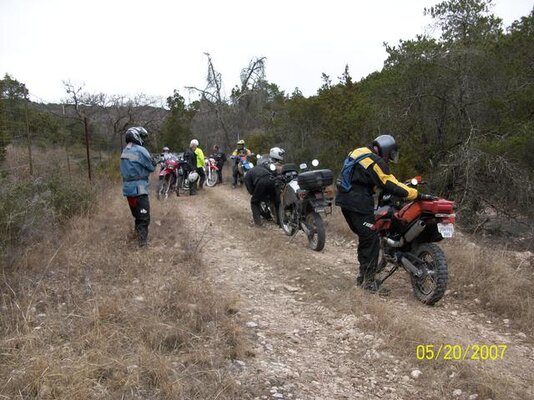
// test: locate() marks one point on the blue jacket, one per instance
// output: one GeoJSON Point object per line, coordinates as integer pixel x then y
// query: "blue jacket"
{"type": "Point", "coordinates": [136, 166]}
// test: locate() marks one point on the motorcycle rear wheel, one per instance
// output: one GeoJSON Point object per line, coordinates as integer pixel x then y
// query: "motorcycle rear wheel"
{"type": "Point", "coordinates": [286, 218]}
{"type": "Point", "coordinates": [317, 235]}
{"type": "Point", "coordinates": [431, 288]}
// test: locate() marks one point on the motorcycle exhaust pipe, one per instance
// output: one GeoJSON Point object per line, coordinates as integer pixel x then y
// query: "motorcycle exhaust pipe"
{"type": "Point", "coordinates": [410, 267]}
{"type": "Point", "coordinates": [414, 231]}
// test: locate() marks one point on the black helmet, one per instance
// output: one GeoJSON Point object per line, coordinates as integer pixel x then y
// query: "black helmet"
{"type": "Point", "coordinates": [387, 148]}
{"type": "Point", "coordinates": [136, 135]}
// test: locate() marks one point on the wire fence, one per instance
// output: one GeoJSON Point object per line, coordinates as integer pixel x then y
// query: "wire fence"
{"type": "Point", "coordinates": [41, 139]}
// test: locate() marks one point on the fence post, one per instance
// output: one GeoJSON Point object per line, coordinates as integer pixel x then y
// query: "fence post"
{"type": "Point", "coordinates": [28, 137]}
{"type": "Point", "coordinates": [68, 160]}
{"type": "Point", "coordinates": [87, 147]}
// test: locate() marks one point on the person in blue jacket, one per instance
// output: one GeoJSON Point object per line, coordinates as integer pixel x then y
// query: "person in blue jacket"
{"type": "Point", "coordinates": [136, 166]}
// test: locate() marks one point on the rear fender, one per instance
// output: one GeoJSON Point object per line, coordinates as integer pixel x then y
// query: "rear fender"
{"type": "Point", "coordinates": [429, 235]}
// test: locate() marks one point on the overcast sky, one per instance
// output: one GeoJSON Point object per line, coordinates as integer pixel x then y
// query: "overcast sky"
{"type": "Point", "coordinates": [153, 47]}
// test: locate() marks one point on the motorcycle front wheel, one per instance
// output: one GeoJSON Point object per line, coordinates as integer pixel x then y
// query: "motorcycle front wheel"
{"type": "Point", "coordinates": [430, 288]}
{"type": "Point", "coordinates": [287, 218]}
{"type": "Point", "coordinates": [317, 234]}
{"type": "Point", "coordinates": [163, 186]}
{"type": "Point", "coordinates": [211, 178]}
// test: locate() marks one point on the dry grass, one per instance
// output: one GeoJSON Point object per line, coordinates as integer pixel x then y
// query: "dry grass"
{"type": "Point", "coordinates": [93, 317]}
{"type": "Point", "coordinates": [403, 333]}
{"type": "Point", "coordinates": [496, 279]}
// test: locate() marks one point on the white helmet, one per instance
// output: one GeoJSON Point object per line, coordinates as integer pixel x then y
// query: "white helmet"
{"type": "Point", "coordinates": [166, 149]}
{"type": "Point", "coordinates": [276, 153]}
{"type": "Point", "coordinates": [194, 142]}
{"type": "Point", "coordinates": [193, 176]}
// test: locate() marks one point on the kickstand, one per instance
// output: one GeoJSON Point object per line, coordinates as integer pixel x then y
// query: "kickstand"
{"type": "Point", "coordinates": [381, 281]}
{"type": "Point", "coordinates": [293, 235]}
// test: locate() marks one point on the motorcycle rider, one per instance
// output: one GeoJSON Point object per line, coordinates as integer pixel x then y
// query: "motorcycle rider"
{"type": "Point", "coordinates": [239, 151]}
{"type": "Point", "coordinates": [220, 159]}
{"type": "Point", "coordinates": [164, 156]}
{"type": "Point", "coordinates": [136, 166]}
{"type": "Point", "coordinates": [201, 162]}
{"type": "Point", "coordinates": [357, 205]}
{"type": "Point", "coordinates": [260, 183]}
{"type": "Point", "coordinates": [190, 158]}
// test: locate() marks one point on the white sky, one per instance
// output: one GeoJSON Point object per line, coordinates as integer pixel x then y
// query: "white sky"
{"type": "Point", "coordinates": [156, 46]}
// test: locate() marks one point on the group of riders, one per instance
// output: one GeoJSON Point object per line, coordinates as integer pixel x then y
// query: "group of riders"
{"type": "Point", "coordinates": [370, 172]}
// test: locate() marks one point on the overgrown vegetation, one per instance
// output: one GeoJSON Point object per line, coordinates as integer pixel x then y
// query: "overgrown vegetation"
{"type": "Point", "coordinates": [31, 210]}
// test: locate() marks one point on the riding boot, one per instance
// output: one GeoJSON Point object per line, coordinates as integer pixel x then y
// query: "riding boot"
{"type": "Point", "coordinates": [142, 231]}
{"type": "Point", "coordinates": [256, 214]}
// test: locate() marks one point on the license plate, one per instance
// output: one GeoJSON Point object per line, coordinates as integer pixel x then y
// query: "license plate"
{"type": "Point", "coordinates": [446, 230]}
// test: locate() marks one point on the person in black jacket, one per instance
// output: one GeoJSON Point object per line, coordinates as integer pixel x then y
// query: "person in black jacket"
{"type": "Point", "coordinates": [260, 182]}
{"type": "Point", "coordinates": [357, 204]}
{"type": "Point", "coordinates": [220, 159]}
{"type": "Point", "coordinates": [191, 165]}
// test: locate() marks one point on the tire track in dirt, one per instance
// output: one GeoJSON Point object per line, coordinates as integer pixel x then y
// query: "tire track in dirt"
{"type": "Point", "coordinates": [299, 306]}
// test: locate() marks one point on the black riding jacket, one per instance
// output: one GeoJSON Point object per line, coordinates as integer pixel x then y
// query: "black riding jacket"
{"type": "Point", "coordinates": [368, 175]}
{"type": "Point", "coordinates": [256, 174]}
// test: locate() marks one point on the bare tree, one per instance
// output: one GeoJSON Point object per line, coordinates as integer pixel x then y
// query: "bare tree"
{"type": "Point", "coordinates": [213, 97]}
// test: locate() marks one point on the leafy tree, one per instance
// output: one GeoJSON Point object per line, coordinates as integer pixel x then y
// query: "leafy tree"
{"type": "Point", "coordinates": [13, 95]}
{"type": "Point", "coordinates": [176, 132]}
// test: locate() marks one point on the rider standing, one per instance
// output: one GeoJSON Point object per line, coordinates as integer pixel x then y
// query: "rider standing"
{"type": "Point", "coordinates": [370, 173]}
{"type": "Point", "coordinates": [164, 156]}
{"type": "Point", "coordinates": [191, 164]}
{"type": "Point", "coordinates": [136, 166]}
{"type": "Point", "coordinates": [260, 183]}
{"type": "Point", "coordinates": [220, 159]}
{"type": "Point", "coordinates": [201, 162]}
{"type": "Point", "coordinates": [239, 151]}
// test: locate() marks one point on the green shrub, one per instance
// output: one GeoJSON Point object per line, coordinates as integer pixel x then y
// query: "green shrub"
{"type": "Point", "coordinates": [69, 197]}
{"type": "Point", "coordinates": [25, 211]}
{"type": "Point", "coordinates": [109, 168]}
{"type": "Point", "coordinates": [31, 210]}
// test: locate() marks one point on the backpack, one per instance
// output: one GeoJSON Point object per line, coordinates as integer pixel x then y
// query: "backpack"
{"type": "Point", "coordinates": [344, 180]}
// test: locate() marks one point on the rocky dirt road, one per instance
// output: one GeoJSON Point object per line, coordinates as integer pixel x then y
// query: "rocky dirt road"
{"type": "Point", "coordinates": [314, 335]}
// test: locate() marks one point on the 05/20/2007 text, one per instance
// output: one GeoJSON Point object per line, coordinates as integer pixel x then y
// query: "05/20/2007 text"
{"type": "Point", "coordinates": [454, 352]}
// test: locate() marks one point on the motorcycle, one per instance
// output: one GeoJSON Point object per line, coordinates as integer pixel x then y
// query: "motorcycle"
{"type": "Point", "coordinates": [408, 235]}
{"type": "Point", "coordinates": [303, 201]}
{"type": "Point", "coordinates": [212, 175]}
{"type": "Point", "coordinates": [167, 178]}
{"type": "Point", "coordinates": [243, 166]}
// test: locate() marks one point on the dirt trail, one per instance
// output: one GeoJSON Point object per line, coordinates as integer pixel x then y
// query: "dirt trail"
{"type": "Point", "coordinates": [310, 333]}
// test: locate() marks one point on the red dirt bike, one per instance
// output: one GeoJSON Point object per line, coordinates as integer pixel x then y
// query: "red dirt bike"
{"type": "Point", "coordinates": [167, 178]}
{"type": "Point", "coordinates": [212, 169]}
{"type": "Point", "coordinates": [408, 232]}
